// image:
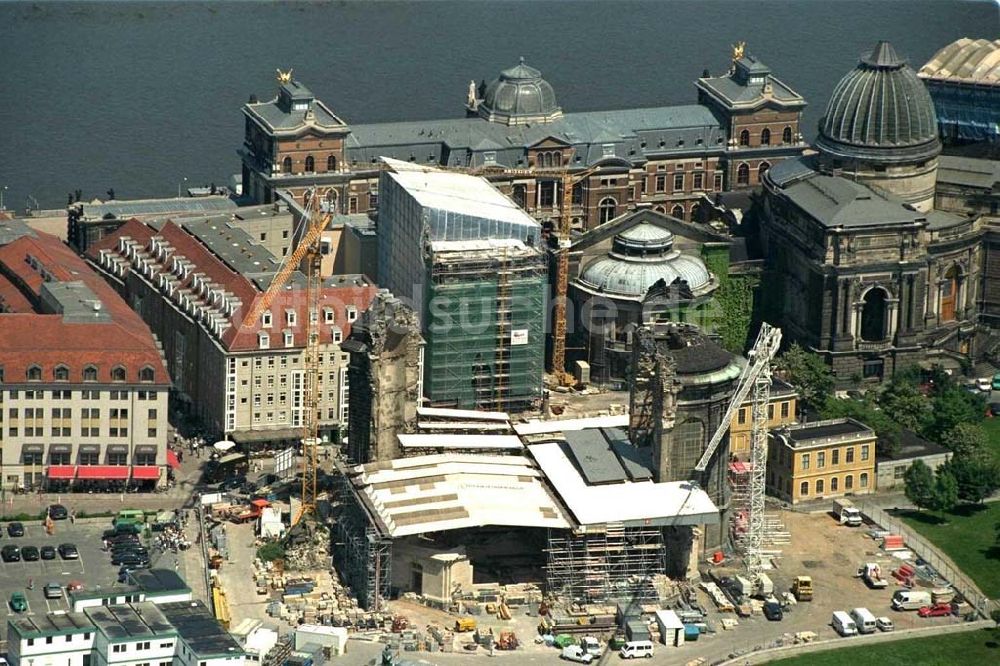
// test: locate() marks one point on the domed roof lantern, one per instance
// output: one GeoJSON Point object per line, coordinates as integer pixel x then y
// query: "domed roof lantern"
{"type": "Point", "coordinates": [883, 55]}
{"type": "Point", "coordinates": [519, 96]}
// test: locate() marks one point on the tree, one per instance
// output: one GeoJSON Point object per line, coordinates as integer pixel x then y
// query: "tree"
{"type": "Point", "coordinates": [966, 440]}
{"type": "Point", "coordinates": [808, 373]}
{"type": "Point", "coordinates": [952, 407]}
{"type": "Point", "coordinates": [920, 485]}
{"type": "Point", "coordinates": [271, 551]}
{"type": "Point", "coordinates": [945, 491]}
{"type": "Point", "coordinates": [886, 429]}
{"type": "Point", "coordinates": [909, 407]}
{"type": "Point", "coordinates": [977, 476]}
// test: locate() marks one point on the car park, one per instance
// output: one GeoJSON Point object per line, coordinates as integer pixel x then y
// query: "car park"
{"type": "Point", "coordinates": [18, 603]}
{"type": "Point", "coordinates": [53, 591]}
{"type": "Point", "coordinates": [68, 551]}
{"type": "Point", "coordinates": [10, 553]}
{"type": "Point", "coordinates": [772, 611]}
{"type": "Point", "coordinates": [58, 512]}
{"type": "Point", "coordinates": [47, 552]}
{"type": "Point", "coordinates": [30, 553]}
{"type": "Point", "coordinates": [576, 654]}
{"type": "Point", "coordinates": [937, 610]}
{"type": "Point", "coordinates": [15, 529]}
{"type": "Point", "coordinates": [884, 624]}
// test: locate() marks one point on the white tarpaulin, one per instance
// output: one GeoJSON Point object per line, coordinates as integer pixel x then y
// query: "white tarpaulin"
{"type": "Point", "coordinates": [223, 445]}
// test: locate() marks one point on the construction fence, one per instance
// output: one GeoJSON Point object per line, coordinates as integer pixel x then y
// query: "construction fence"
{"type": "Point", "coordinates": [929, 553]}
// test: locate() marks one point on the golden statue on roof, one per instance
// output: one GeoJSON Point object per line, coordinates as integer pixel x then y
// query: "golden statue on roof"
{"type": "Point", "coordinates": [738, 49]}
{"type": "Point", "coordinates": [284, 77]}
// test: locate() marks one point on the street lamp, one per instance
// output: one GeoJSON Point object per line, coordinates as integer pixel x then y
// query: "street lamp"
{"type": "Point", "coordinates": [179, 187]}
{"type": "Point", "coordinates": [2, 190]}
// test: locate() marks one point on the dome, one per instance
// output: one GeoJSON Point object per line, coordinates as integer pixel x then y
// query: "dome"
{"type": "Point", "coordinates": [881, 112]}
{"type": "Point", "coordinates": [519, 96]}
{"type": "Point", "coordinates": [975, 61]}
{"type": "Point", "coordinates": [641, 257]}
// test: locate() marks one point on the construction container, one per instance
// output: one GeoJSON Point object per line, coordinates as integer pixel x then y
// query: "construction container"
{"type": "Point", "coordinates": [637, 630]}
{"type": "Point", "coordinates": [691, 633]}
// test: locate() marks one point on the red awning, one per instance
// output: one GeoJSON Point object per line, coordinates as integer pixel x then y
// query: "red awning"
{"type": "Point", "coordinates": [145, 472]}
{"type": "Point", "coordinates": [172, 460]}
{"type": "Point", "coordinates": [102, 472]}
{"type": "Point", "coordinates": [62, 471]}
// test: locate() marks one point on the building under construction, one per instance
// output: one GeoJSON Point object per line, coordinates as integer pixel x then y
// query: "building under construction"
{"type": "Point", "coordinates": [468, 258]}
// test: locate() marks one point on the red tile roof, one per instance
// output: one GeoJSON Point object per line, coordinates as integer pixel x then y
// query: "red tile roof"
{"type": "Point", "coordinates": [33, 337]}
{"type": "Point", "coordinates": [338, 297]}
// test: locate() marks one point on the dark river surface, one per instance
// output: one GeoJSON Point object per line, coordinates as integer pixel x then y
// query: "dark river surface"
{"type": "Point", "coordinates": [140, 95]}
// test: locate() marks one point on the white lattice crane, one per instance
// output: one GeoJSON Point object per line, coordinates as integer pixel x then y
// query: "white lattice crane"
{"type": "Point", "coordinates": [756, 380]}
{"type": "Point", "coordinates": [314, 221]}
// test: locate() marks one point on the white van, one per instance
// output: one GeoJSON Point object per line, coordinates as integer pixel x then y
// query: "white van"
{"type": "Point", "coordinates": [843, 624]}
{"type": "Point", "coordinates": [910, 599]}
{"type": "Point", "coordinates": [864, 620]}
{"type": "Point", "coordinates": [634, 649]}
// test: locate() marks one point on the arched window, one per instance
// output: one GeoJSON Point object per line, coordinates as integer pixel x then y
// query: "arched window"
{"type": "Point", "coordinates": [745, 138]}
{"type": "Point", "coordinates": [61, 373]}
{"type": "Point", "coordinates": [804, 489]}
{"type": "Point", "coordinates": [834, 484]}
{"type": "Point", "coordinates": [146, 374]}
{"type": "Point", "coordinates": [34, 374]}
{"type": "Point", "coordinates": [864, 479]}
{"type": "Point", "coordinates": [90, 374]}
{"type": "Point", "coordinates": [331, 163]}
{"type": "Point", "coordinates": [819, 486]}
{"type": "Point", "coordinates": [696, 212]}
{"type": "Point", "coordinates": [786, 135]}
{"type": "Point", "coordinates": [678, 212]}
{"type": "Point", "coordinates": [118, 374]}
{"type": "Point", "coordinates": [286, 165]}
{"type": "Point", "coordinates": [948, 293]}
{"type": "Point", "coordinates": [874, 316]}
{"type": "Point", "coordinates": [743, 174]}
{"type": "Point", "coordinates": [557, 158]}
{"type": "Point", "coordinates": [765, 137]}
{"type": "Point", "coordinates": [660, 209]}
{"type": "Point", "coordinates": [848, 482]}
{"type": "Point", "coordinates": [761, 170]}
{"type": "Point", "coordinates": [310, 164]}
{"type": "Point", "coordinates": [331, 200]}
{"type": "Point", "coordinates": [520, 195]}
{"type": "Point", "coordinates": [607, 209]}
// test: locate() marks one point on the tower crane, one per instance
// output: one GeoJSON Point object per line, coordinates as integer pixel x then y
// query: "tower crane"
{"type": "Point", "coordinates": [314, 222]}
{"type": "Point", "coordinates": [756, 379]}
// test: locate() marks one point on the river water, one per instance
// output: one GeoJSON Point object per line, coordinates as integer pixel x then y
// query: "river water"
{"type": "Point", "coordinates": [138, 96]}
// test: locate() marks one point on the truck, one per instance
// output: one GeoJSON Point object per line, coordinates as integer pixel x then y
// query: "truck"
{"type": "Point", "coordinates": [802, 588]}
{"type": "Point", "coordinates": [871, 573]}
{"type": "Point", "coordinates": [845, 511]}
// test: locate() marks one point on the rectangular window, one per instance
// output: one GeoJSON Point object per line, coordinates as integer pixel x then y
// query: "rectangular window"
{"type": "Point", "coordinates": [898, 472]}
{"type": "Point", "coordinates": [741, 416]}
{"type": "Point", "coordinates": [849, 455]}
{"type": "Point", "coordinates": [718, 182]}
{"type": "Point", "coordinates": [784, 410]}
{"type": "Point", "coordinates": [678, 182]}
{"type": "Point", "coordinates": [608, 150]}
{"type": "Point", "coordinates": [805, 461]}
{"type": "Point", "coordinates": [661, 183]}
{"type": "Point", "coordinates": [821, 460]}
{"type": "Point", "coordinates": [699, 179]}
{"type": "Point", "coordinates": [835, 457]}
{"type": "Point", "coordinates": [864, 452]}
{"type": "Point", "coordinates": [770, 412]}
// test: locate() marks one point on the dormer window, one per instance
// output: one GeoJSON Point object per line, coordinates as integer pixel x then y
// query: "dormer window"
{"type": "Point", "coordinates": [61, 373]}
{"type": "Point", "coordinates": [263, 340]}
{"type": "Point", "coordinates": [146, 375]}
{"type": "Point", "coordinates": [290, 318]}
{"type": "Point", "coordinates": [289, 338]}
{"type": "Point", "coordinates": [265, 319]}
{"type": "Point", "coordinates": [328, 316]}
{"type": "Point", "coordinates": [352, 313]}
{"type": "Point", "coordinates": [34, 374]}
{"type": "Point", "coordinates": [300, 106]}
{"type": "Point", "coordinates": [90, 374]}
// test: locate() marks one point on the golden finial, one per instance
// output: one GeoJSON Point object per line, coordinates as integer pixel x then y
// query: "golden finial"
{"type": "Point", "coordinates": [284, 77]}
{"type": "Point", "coordinates": [738, 48]}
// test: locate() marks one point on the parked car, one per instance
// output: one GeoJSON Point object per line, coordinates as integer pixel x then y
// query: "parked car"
{"type": "Point", "coordinates": [10, 553]}
{"type": "Point", "coordinates": [984, 384]}
{"type": "Point", "coordinates": [30, 554]}
{"type": "Point", "coordinates": [68, 551]}
{"type": "Point", "coordinates": [576, 654]}
{"type": "Point", "coordinates": [52, 590]}
{"type": "Point", "coordinates": [937, 610]}
{"type": "Point", "coordinates": [996, 382]}
{"type": "Point", "coordinates": [130, 560]}
{"type": "Point", "coordinates": [884, 624]}
{"type": "Point", "coordinates": [15, 529]}
{"type": "Point", "coordinates": [994, 408]}
{"type": "Point", "coordinates": [18, 603]}
{"type": "Point", "coordinates": [233, 483]}
{"type": "Point", "coordinates": [772, 611]}
{"type": "Point", "coordinates": [58, 512]}
{"type": "Point", "coordinates": [47, 552]}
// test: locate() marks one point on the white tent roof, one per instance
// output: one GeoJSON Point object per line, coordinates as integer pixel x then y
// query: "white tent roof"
{"type": "Point", "coordinates": [442, 441]}
{"type": "Point", "coordinates": [463, 414]}
{"type": "Point", "coordinates": [542, 427]}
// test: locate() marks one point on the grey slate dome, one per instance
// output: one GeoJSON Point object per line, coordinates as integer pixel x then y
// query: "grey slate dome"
{"type": "Point", "coordinates": [520, 96]}
{"type": "Point", "coordinates": [880, 112]}
{"type": "Point", "coordinates": [640, 257]}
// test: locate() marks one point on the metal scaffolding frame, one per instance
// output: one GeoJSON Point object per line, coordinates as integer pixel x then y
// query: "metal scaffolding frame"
{"type": "Point", "coordinates": [362, 554]}
{"type": "Point", "coordinates": [616, 562]}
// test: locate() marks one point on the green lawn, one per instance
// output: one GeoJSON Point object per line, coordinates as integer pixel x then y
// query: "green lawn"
{"type": "Point", "coordinates": [992, 428]}
{"type": "Point", "coordinates": [965, 649]}
{"type": "Point", "coordinates": [968, 535]}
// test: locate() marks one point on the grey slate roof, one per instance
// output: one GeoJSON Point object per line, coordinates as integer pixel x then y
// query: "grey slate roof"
{"type": "Point", "coordinates": [233, 245]}
{"type": "Point", "coordinates": [200, 630]}
{"type": "Point", "coordinates": [278, 114]}
{"type": "Point", "coordinates": [735, 90]}
{"type": "Point", "coordinates": [912, 445]}
{"type": "Point", "coordinates": [968, 171]}
{"type": "Point", "coordinates": [451, 142]}
{"type": "Point", "coordinates": [594, 458]}
{"type": "Point", "coordinates": [738, 94]}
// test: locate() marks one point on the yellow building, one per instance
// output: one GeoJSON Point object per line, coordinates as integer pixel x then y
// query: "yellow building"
{"type": "Point", "coordinates": [781, 409]}
{"type": "Point", "coordinates": [831, 458]}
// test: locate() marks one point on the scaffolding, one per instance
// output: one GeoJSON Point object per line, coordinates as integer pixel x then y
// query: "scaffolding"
{"type": "Point", "coordinates": [363, 555]}
{"type": "Point", "coordinates": [485, 326]}
{"type": "Point", "coordinates": [739, 484]}
{"type": "Point", "coordinates": [615, 562]}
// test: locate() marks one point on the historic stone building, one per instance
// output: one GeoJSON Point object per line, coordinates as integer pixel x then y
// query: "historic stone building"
{"type": "Point", "coordinates": [673, 157]}
{"type": "Point", "coordinates": [862, 268]}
